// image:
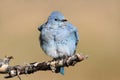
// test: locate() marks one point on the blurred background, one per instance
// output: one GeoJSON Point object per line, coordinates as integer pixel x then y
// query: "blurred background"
{"type": "Point", "coordinates": [98, 23]}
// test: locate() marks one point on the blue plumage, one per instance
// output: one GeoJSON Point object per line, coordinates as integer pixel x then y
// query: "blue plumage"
{"type": "Point", "coordinates": [58, 37]}
{"type": "Point", "coordinates": [62, 70]}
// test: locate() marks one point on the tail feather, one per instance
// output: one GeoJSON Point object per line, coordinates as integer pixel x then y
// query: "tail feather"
{"type": "Point", "coordinates": [62, 70]}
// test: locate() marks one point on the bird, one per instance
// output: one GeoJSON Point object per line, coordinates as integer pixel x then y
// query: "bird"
{"type": "Point", "coordinates": [58, 37]}
{"type": "Point", "coordinates": [4, 63]}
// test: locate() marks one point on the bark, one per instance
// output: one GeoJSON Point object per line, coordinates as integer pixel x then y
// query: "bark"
{"type": "Point", "coordinates": [53, 65]}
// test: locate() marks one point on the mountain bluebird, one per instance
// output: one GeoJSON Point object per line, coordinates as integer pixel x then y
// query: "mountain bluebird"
{"type": "Point", "coordinates": [58, 38]}
{"type": "Point", "coordinates": [4, 64]}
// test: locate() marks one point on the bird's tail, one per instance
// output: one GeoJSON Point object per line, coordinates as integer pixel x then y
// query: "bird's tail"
{"type": "Point", "coordinates": [62, 70]}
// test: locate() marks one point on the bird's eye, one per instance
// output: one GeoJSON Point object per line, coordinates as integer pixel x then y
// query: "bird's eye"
{"type": "Point", "coordinates": [56, 19]}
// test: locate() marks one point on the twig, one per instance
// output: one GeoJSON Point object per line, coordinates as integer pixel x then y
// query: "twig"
{"type": "Point", "coordinates": [52, 65]}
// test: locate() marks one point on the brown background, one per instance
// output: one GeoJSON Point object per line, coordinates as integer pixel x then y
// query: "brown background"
{"type": "Point", "coordinates": [98, 22]}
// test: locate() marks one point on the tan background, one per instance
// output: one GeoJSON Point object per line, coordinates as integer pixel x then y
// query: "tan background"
{"type": "Point", "coordinates": [98, 22]}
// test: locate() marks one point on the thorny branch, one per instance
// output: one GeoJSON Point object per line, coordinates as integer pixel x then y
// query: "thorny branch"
{"type": "Point", "coordinates": [52, 65]}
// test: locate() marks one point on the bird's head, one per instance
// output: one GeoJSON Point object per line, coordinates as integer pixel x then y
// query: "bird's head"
{"type": "Point", "coordinates": [56, 18]}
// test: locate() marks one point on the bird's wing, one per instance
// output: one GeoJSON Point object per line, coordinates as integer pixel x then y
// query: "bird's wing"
{"type": "Point", "coordinates": [76, 36]}
{"type": "Point", "coordinates": [73, 38]}
{"type": "Point", "coordinates": [41, 27]}
{"type": "Point", "coordinates": [73, 30]}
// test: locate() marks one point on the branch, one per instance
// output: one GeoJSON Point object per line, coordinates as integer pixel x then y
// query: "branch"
{"type": "Point", "coordinates": [53, 65]}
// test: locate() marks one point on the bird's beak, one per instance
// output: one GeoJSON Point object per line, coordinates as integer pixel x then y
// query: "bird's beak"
{"type": "Point", "coordinates": [64, 20]}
